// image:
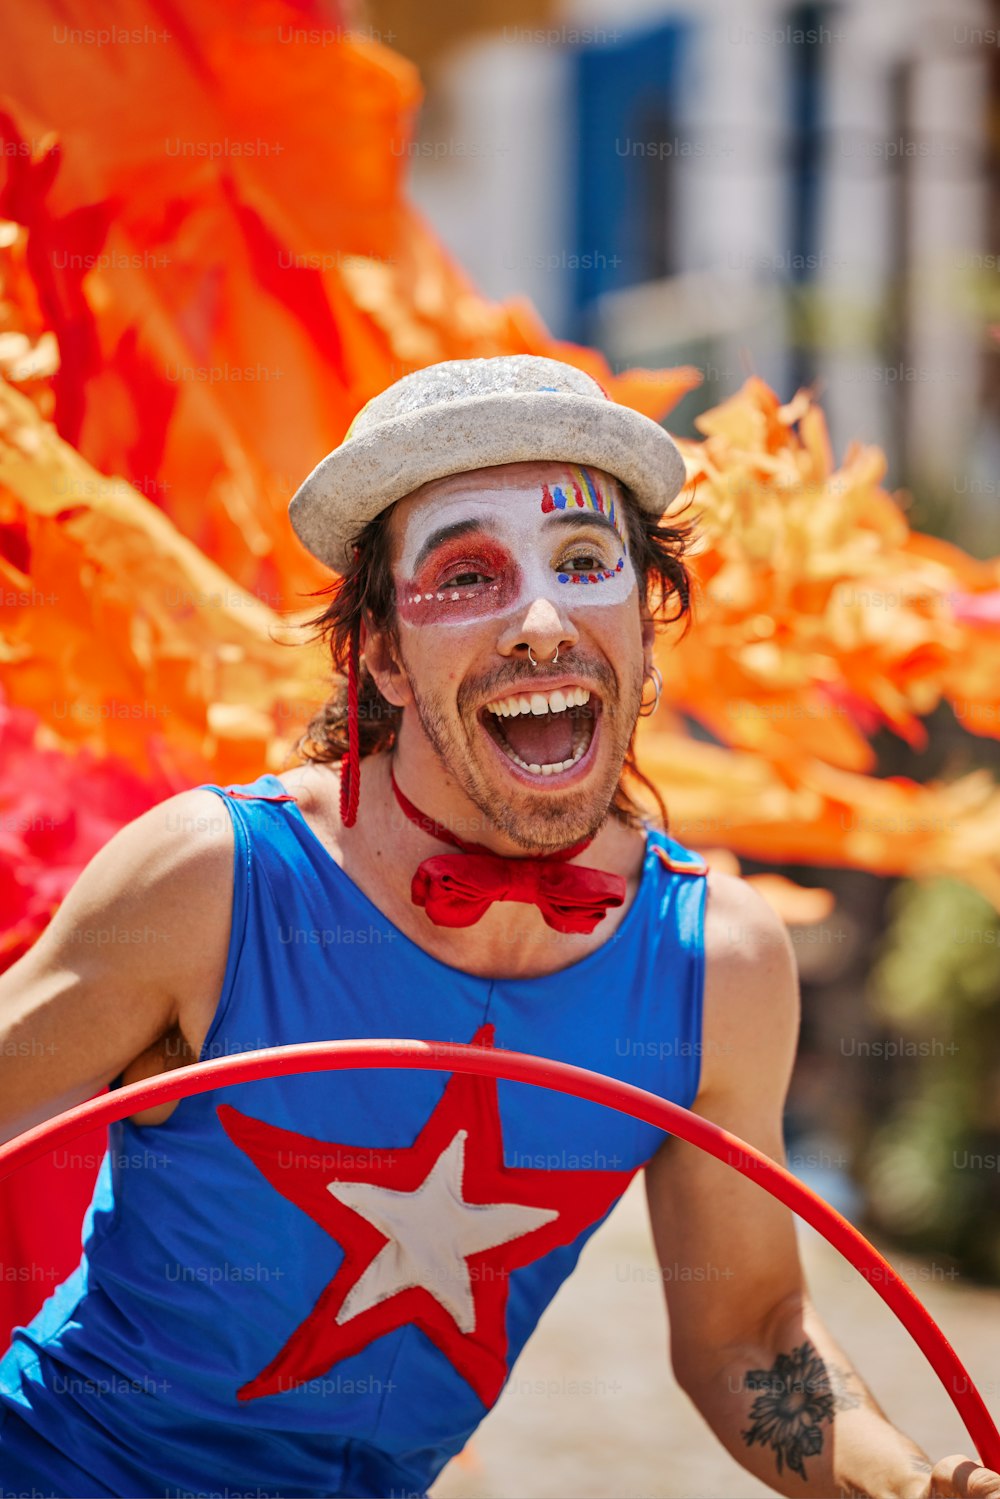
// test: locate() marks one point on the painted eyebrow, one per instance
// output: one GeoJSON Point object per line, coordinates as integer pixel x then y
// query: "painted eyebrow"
{"type": "Point", "coordinates": [582, 518]}
{"type": "Point", "coordinates": [449, 533]}
{"type": "Point", "coordinates": [576, 518]}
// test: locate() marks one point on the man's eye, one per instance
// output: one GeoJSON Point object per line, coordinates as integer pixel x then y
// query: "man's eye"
{"type": "Point", "coordinates": [462, 580]}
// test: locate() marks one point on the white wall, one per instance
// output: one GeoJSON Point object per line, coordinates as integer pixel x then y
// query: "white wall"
{"type": "Point", "coordinates": [501, 207]}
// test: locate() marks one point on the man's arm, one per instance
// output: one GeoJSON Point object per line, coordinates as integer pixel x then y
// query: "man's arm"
{"type": "Point", "coordinates": [747, 1345]}
{"type": "Point", "coordinates": [132, 954]}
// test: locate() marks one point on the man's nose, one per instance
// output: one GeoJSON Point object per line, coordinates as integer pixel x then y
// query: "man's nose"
{"type": "Point", "coordinates": [541, 627]}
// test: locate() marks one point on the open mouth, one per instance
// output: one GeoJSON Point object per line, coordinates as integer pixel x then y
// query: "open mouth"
{"type": "Point", "coordinates": [548, 735]}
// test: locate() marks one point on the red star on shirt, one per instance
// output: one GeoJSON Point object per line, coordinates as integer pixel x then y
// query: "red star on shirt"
{"type": "Point", "coordinates": [430, 1232]}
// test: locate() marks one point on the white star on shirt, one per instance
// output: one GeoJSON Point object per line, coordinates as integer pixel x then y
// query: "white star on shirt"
{"type": "Point", "coordinates": [431, 1231]}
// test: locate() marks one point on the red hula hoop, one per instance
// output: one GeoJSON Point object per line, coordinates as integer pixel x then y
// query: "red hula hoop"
{"type": "Point", "coordinates": [561, 1077]}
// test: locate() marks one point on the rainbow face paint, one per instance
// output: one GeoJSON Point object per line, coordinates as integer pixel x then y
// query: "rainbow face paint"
{"type": "Point", "coordinates": [598, 577]}
{"type": "Point", "coordinates": [583, 493]}
{"type": "Point", "coordinates": [472, 556]}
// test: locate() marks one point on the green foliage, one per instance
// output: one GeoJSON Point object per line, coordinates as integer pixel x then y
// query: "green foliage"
{"type": "Point", "coordinates": [931, 1166]}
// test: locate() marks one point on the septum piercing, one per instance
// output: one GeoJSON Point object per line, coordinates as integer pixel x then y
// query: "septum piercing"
{"type": "Point", "coordinates": [531, 658]}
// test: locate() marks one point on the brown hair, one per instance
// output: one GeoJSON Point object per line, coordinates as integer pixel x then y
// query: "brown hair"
{"type": "Point", "coordinates": [366, 591]}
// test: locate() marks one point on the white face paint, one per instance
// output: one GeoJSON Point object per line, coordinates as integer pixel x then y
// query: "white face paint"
{"type": "Point", "coordinates": [563, 540]}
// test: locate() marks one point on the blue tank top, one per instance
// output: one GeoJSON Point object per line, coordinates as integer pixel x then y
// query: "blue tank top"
{"type": "Point", "coordinates": [318, 1285]}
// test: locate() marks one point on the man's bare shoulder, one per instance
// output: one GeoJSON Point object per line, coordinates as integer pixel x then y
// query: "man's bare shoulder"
{"type": "Point", "coordinates": [751, 999]}
{"type": "Point", "coordinates": [316, 789]}
{"type": "Point", "coordinates": [182, 840]}
{"type": "Point", "coordinates": [741, 926]}
{"type": "Point", "coordinates": [309, 781]}
{"type": "Point", "coordinates": [170, 869]}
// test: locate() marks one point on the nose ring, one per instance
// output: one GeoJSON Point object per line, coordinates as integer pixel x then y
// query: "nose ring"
{"type": "Point", "coordinates": [531, 658]}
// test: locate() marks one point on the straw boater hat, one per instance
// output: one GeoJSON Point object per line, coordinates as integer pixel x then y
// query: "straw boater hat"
{"type": "Point", "coordinates": [477, 413]}
{"type": "Point", "coordinates": [468, 414]}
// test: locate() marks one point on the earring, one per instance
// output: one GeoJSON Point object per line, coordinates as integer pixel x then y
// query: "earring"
{"type": "Point", "coordinates": [647, 710]}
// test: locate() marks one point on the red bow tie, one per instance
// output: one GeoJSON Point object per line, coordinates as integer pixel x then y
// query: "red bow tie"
{"type": "Point", "coordinates": [457, 889]}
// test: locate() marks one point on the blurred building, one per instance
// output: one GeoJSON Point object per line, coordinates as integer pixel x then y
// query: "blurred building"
{"type": "Point", "coordinates": [801, 191]}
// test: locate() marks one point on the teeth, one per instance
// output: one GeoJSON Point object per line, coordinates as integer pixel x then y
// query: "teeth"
{"type": "Point", "coordinates": [540, 702]}
{"type": "Point", "coordinates": [547, 770]}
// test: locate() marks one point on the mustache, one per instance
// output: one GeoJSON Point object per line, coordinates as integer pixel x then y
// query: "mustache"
{"type": "Point", "coordinates": [502, 684]}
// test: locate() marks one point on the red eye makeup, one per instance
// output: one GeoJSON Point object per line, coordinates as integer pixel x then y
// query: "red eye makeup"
{"type": "Point", "coordinates": [464, 579]}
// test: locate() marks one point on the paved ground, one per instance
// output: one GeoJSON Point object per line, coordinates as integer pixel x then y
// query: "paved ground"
{"type": "Point", "coordinates": [591, 1410]}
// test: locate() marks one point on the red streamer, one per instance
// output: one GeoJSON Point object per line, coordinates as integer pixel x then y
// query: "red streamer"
{"type": "Point", "coordinates": [350, 764]}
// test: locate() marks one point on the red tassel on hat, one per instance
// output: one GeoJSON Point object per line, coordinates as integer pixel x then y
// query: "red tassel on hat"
{"type": "Point", "coordinates": [350, 764]}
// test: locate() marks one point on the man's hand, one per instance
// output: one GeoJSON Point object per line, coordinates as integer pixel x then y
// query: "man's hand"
{"type": "Point", "coordinates": [962, 1478]}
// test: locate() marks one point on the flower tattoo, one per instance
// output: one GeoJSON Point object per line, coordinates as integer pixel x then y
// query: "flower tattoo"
{"type": "Point", "coordinates": [799, 1394]}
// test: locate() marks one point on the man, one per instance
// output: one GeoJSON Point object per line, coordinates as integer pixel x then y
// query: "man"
{"type": "Point", "coordinates": [318, 1285]}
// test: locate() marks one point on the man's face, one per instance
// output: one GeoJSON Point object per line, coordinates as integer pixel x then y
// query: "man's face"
{"type": "Point", "coordinates": [486, 564]}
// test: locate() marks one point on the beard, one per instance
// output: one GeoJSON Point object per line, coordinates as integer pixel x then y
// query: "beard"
{"type": "Point", "coordinates": [531, 820]}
